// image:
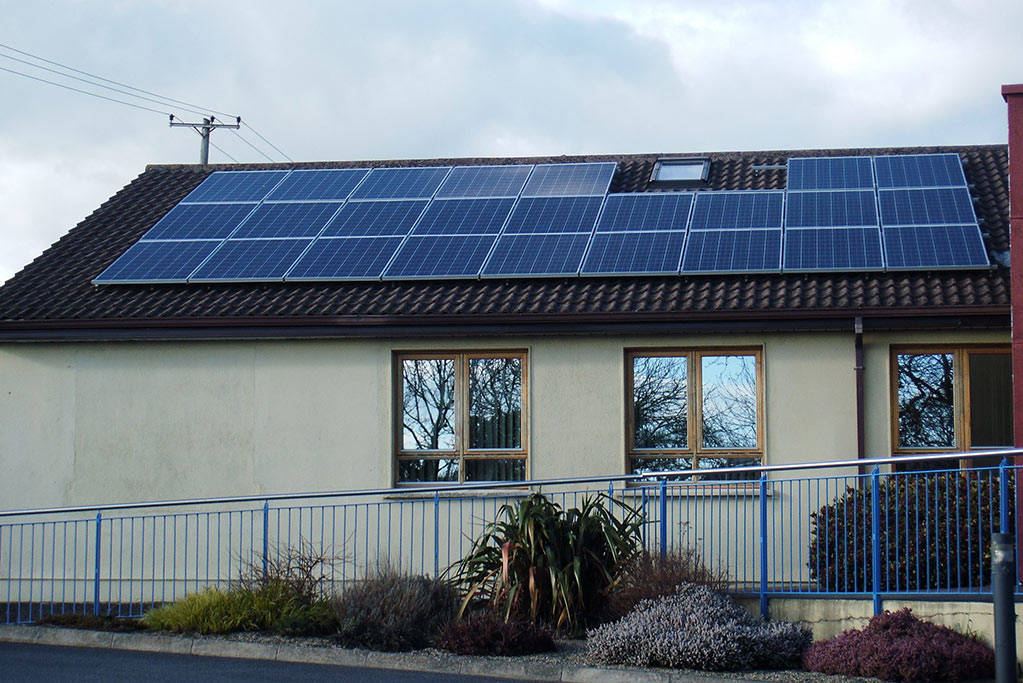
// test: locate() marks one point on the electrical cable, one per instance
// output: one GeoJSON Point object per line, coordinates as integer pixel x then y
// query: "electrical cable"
{"type": "Point", "coordinates": [265, 155]}
{"type": "Point", "coordinates": [245, 123]}
{"type": "Point", "coordinates": [86, 92]}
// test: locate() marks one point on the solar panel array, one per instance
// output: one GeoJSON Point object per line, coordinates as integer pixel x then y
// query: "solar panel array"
{"type": "Point", "coordinates": [838, 213]}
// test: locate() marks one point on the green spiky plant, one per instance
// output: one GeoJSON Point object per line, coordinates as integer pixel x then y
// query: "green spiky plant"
{"type": "Point", "coordinates": [549, 565]}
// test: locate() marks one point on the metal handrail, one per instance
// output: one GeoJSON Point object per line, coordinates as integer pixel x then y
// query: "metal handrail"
{"type": "Point", "coordinates": [651, 477]}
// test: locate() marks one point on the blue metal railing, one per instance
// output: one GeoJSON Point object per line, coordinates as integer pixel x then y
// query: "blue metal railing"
{"type": "Point", "coordinates": [837, 531]}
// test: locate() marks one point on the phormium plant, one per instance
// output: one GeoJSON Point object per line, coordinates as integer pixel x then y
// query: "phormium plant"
{"type": "Point", "coordinates": [934, 533]}
{"type": "Point", "coordinates": [549, 565]}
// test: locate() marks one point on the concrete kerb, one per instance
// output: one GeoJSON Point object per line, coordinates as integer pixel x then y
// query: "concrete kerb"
{"type": "Point", "coordinates": [476, 666]}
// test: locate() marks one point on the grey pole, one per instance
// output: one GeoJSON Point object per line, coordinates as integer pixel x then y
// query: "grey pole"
{"type": "Point", "coordinates": [204, 150]}
{"type": "Point", "coordinates": [1003, 585]}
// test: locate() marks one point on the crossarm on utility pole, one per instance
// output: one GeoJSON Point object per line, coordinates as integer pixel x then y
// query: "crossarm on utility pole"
{"type": "Point", "coordinates": [204, 129]}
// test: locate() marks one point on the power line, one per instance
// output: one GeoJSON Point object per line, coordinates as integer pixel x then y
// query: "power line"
{"type": "Point", "coordinates": [265, 155]}
{"type": "Point", "coordinates": [246, 124]}
{"type": "Point", "coordinates": [86, 92]}
{"type": "Point", "coordinates": [218, 148]}
{"type": "Point", "coordinates": [107, 80]}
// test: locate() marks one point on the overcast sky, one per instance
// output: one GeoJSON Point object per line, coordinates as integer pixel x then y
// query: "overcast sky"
{"type": "Point", "coordinates": [339, 80]}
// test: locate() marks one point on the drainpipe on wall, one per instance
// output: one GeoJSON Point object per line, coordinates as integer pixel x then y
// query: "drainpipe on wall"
{"type": "Point", "coordinates": [861, 447]}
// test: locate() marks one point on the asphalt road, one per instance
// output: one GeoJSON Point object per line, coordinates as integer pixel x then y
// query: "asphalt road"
{"type": "Point", "coordinates": [21, 662]}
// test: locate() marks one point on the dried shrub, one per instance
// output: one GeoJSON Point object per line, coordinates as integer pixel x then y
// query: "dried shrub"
{"type": "Point", "coordinates": [697, 628]}
{"type": "Point", "coordinates": [394, 612]}
{"type": "Point", "coordinates": [929, 529]}
{"type": "Point", "coordinates": [92, 622]}
{"type": "Point", "coordinates": [899, 646]}
{"type": "Point", "coordinates": [486, 633]}
{"type": "Point", "coordinates": [652, 575]}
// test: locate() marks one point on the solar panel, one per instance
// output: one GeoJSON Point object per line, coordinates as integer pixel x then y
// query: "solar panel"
{"type": "Point", "coordinates": [199, 221]}
{"type": "Point", "coordinates": [833, 249]}
{"type": "Point", "coordinates": [645, 211]}
{"type": "Point", "coordinates": [158, 261]}
{"type": "Point", "coordinates": [554, 214]}
{"type": "Point", "coordinates": [318, 185]}
{"type": "Point", "coordinates": [934, 246]}
{"type": "Point", "coordinates": [737, 210]}
{"type": "Point", "coordinates": [830, 209]}
{"type": "Point", "coordinates": [441, 256]}
{"type": "Point", "coordinates": [830, 173]}
{"type": "Point", "coordinates": [537, 254]}
{"type": "Point", "coordinates": [288, 220]}
{"type": "Point", "coordinates": [732, 251]}
{"type": "Point", "coordinates": [485, 181]}
{"type": "Point", "coordinates": [464, 217]}
{"type": "Point", "coordinates": [919, 170]}
{"type": "Point", "coordinates": [936, 206]}
{"type": "Point", "coordinates": [235, 186]}
{"type": "Point", "coordinates": [647, 253]}
{"type": "Point", "coordinates": [345, 258]}
{"type": "Point", "coordinates": [549, 180]}
{"type": "Point", "coordinates": [251, 260]}
{"type": "Point", "coordinates": [375, 218]}
{"type": "Point", "coordinates": [401, 183]}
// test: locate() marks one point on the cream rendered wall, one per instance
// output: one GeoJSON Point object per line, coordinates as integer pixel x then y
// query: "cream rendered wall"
{"type": "Point", "coordinates": [103, 422]}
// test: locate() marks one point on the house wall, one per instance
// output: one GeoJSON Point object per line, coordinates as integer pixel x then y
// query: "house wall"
{"type": "Point", "coordinates": [112, 422]}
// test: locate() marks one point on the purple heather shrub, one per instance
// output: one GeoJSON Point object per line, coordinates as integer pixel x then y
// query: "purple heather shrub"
{"type": "Point", "coordinates": [697, 628]}
{"type": "Point", "coordinates": [898, 646]}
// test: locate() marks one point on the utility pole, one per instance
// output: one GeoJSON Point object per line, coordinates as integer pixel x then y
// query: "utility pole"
{"type": "Point", "coordinates": [204, 129]}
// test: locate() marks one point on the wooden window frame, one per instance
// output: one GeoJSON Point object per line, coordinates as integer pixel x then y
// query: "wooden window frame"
{"type": "Point", "coordinates": [694, 389]}
{"type": "Point", "coordinates": [961, 353]}
{"type": "Point", "coordinates": [461, 450]}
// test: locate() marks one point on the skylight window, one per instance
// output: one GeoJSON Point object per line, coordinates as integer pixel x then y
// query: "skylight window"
{"type": "Point", "coordinates": [681, 171]}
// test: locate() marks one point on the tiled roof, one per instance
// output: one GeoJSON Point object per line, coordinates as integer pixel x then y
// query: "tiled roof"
{"type": "Point", "coordinates": [55, 290]}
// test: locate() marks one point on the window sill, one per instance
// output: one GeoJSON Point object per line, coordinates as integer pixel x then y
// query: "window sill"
{"type": "Point", "coordinates": [701, 489]}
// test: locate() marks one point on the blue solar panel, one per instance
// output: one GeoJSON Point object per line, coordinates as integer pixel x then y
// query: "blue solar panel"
{"type": "Point", "coordinates": [833, 249]}
{"type": "Point", "coordinates": [645, 211]}
{"type": "Point", "coordinates": [550, 180]}
{"type": "Point", "coordinates": [830, 209]}
{"type": "Point", "coordinates": [158, 261]}
{"type": "Point", "coordinates": [554, 214]}
{"type": "Point", "coordinates": [235, 186]}
{"type": "Point", "coordinates": [634, 252]}
{"type": "Point", "coordinates": [375, 218]}
{"type": "Point", "coordinates": [464, 217]}
{"type": "Point", "coordinates": [484, 181]}
{"type": "Point", "coordinates": [401, 183]}
{"type": "Point", "coordinates": [318, 185]}
{"type": "Point", "coordinates": [540, 254]}
{"type": "Point", "coordinates": [732, 251]}
{"type": "Point", "coordinates": [939, 246]}
{"type": "Point", "coordinates": [945, 206]}
{"type": "Point", "coordinates": [737, 210]}
{"type": "Point", "coordinates": [288, 220]}
{"type": "Point", "coordinates": [199, 221]}
{"type": "Point", "coordinates": [919, 170]}
{"type": "Point", "coordinates": [444, 256]}
{"type": "Point", "coordinates": [345, 258]}
{"type": "Point", "coordinates": [251, 260]}
{"type": "Point", "coordinates": [830, 173]}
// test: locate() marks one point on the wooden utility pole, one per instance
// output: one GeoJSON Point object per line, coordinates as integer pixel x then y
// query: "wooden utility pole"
{"type": "Point", "coordinates": [204, 129]}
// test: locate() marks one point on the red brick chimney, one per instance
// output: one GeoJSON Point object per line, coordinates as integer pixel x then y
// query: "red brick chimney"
{"type": "Point", "coordinates": [1013, 95]}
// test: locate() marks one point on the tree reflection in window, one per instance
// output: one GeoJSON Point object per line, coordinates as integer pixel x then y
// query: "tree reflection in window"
{"type": "Point", "coordinates": [495, 400]}
{"type": "Point", "coordinates": [428, 404]}
{"type": "Point", "coordinates": [926, 400]}
{"type": "Point", "coordinates": [729, 405]}
{"type": "Point", "coordinates": [660, 402]}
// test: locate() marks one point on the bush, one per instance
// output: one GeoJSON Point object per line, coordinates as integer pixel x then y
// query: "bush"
{"type": "Point", "coordinates": [485, 633]}
{"type": "Point", "coordinates": [898, 646]}
{"type": "Point", "coordinates": [697, 628]}
{"type": "Point", "coordinates": [652, 575]}
{"type": "Point", "coordinates": [393, 612]}
{"type": "Point", "coordinates": [930, 530]}
{"type": "Point", "coordinates": [548, 565]}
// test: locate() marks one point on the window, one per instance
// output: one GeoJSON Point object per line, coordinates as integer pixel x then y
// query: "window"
{"type": "Point", "coordinates": [462, 417]}
{"type": "Point", "coordinates": [694, 409]}
{"type": "Point", "coordinates": [951, 399]}
{"type": "Point", "coordinates": [680, 171]}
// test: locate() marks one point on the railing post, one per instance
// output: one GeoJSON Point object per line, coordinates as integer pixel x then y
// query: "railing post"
{"type": "Point", "coordinates": [875, 537]}
{"type": "Point", "coordinates": [266, 539]}
{"type": "Point", "coordinates": [664, 517]}
{"type": "Point", "coordinates": [95, 582]}
{"type": "Point", "coordinates": [764, 607]}
{"type": "Point", "coordinates": [1003, 496]}
{"type": "Point", "coordinates": [436, 534]}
